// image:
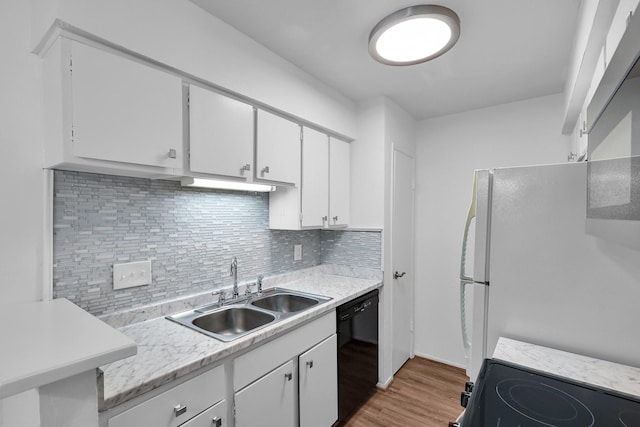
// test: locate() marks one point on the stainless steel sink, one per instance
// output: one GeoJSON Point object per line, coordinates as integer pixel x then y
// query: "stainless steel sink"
{"type": "Point", "coordinates": [246, 315]}
{"type": "Point", "coordinates": [233, 321]}
{"type": "Point", "coordinates": [225, 323]}
{"type": "Point", "coordinates": [283, 302]}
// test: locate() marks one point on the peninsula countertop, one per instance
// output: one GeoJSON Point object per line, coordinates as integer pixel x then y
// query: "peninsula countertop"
{"type": "Point", "coordinates": [48, 341]}
{"type": "Point", "coordinates": [167, 350]}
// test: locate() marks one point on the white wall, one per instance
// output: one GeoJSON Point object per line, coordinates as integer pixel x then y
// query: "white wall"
{"type": "Point", "coordinates": [367, 166]}
{"type": "Point", "coordinates": [21, 186]}
{"type": "Point", "coordinates": [180, 34]}
{"type": "Point", "coordinates": [448, 150]}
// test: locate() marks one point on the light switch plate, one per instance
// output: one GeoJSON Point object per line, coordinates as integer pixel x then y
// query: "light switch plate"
{"type": "Point", "coordinates": [131, 274]}
{"type": "Point", "coordinates": [297, 252]}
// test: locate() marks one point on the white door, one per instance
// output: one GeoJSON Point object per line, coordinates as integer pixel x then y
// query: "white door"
{"type": "Point", "coordinates": [270, 401]}
{"type": "Point", "coordinates": [402, 258]}
{"type": "Point", "coordinates": [319, 384]}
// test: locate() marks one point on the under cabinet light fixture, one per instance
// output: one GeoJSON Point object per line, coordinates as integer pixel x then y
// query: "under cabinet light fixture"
{"type": "Point", "coordinates": [414, 35]}
{"type": "Point", "coordinates": [225, 185]}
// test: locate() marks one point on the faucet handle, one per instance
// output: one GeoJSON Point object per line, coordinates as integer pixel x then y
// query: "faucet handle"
{"type": "Point", "coordinates": [259, 283]}
{"type": "Point", "coordinates": [221, 296]}
{"type": "Point", "coordinates": [248, 289]}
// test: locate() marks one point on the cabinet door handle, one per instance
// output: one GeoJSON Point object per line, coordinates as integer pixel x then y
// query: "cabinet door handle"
{"type": "Point", "coordinates": [179, 410]}
{"type": "Point", "coordinates": [288, 376]}
{"type": "Point", "coordinates": [397, 275]}
{"type": "Point", "coordinates": [216, 422]}
{"type": "Point", "coordinates": [325, 218]}
{"type": "Point", "coordinates": [265, 170]}
{"type": "Point", "coordinates": [172, 154]}
{"type": "Point", "coordinates": [310, 364]}
{"type": "Point", "coordinates": [246, 167]}
{"type": "Point", "coordinates": [335, 218]}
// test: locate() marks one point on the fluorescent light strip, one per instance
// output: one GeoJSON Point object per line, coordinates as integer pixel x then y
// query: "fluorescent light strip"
{"type": "Point", "coordinates": [225, 185]}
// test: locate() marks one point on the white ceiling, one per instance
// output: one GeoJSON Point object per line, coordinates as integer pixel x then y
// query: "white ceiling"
{"type": "Point", "coordinates": [508, 50]}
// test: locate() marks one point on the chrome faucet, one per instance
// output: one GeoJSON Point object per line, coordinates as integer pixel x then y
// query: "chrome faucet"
{"type": "Point", "coordinates": [234, 274]}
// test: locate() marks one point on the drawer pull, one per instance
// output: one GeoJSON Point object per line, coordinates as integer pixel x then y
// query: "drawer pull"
{"type": "Point", "coordinates": [288, 376]}
{"type": "Point", "coordinates": [216, 422]}
{"type": "Point", "coordinates": [310, 364]}
{"type": "Point", "coordinates": [179, 410]}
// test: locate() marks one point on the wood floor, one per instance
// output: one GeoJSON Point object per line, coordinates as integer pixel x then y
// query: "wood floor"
{"type": "Point", "coordinates": [423, 393]}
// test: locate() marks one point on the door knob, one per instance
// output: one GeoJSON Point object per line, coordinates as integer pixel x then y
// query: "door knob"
{"type": "Point", "coordinates": [397, 275]}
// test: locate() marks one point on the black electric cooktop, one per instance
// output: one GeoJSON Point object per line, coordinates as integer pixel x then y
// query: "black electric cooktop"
{"type": "Point", "coordinates": [508, 395]}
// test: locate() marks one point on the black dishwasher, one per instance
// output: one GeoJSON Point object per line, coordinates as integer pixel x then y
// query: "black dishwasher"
{"type": "Point", "coordinates": [357, 323]}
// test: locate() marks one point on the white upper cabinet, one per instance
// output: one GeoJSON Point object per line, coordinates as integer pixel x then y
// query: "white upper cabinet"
{"type": "Point", "coordinates": [339, 170]}
{"type": "Point", "coordinates": [315, 179]}
{"type": "Point", "coordinates": [124, 111]}
{"type": "Point", "coordinates": [221, 134]}
{"type": "Point", "coordinates": [277, 149]}
{"type": "Point", "coordinates": [107, 112]}
{"type": "Point", "coordinates": [323, 197]}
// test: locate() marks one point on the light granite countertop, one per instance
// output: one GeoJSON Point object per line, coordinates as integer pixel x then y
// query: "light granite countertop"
{"type": "Point", "coordinates": [167, 350]}
{"type": "Point", "coordinates": [601, 373]}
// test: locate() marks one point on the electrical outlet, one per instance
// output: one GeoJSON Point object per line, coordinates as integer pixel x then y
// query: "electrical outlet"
{"type": "Point", "coordinates": [297, 252]}
{"type": "Point", "coordinates": [131, 274]}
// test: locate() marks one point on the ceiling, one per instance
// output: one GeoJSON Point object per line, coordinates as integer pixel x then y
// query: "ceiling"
{"type": "Point", "coordinates": [508, 50]}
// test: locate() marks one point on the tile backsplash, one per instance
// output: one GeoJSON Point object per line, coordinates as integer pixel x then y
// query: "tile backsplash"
{"type": "Point", "coordinates": [189, 235]}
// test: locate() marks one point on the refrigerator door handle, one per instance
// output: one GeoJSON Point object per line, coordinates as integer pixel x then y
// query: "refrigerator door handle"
{"type": "Point", "coordinates": [464, 279]}
{"type": "Point", "coordinates": [465, 235]}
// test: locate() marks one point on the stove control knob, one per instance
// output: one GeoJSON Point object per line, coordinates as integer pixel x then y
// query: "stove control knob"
{"type": "Point", "coordinates": [468, 386]}
{"type": "Point", "coordinates": [464, 398]}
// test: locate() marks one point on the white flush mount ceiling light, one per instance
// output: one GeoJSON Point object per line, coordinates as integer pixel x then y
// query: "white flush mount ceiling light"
{"type": "Point", "coordinates": [414, 35]}
{"type": "Point", "coordinates": [225, 185]}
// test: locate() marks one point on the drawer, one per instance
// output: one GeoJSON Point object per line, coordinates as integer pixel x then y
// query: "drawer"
{"type": "Point", "coordinates": [216, 416]}
{"type": "Point", "coordinates": [194, 396]}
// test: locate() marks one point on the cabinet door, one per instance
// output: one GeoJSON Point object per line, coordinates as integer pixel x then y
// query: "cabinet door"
{"type": "Point", "coordinates": [315, 178]}
{"type": "Point", "coordinates": [277, 149]}
{"type": "Point", "coordinates": [269, 401]}
{"type": "Point", "coordinates": [124, 111]}
{"type": "Point", "coordinates": [216, 416]}
{"type": "Point", "coordinates": [339, 182]}
{"type": "Point", "coordinates": [319, 385]}
{"type": "Point", "coordinates": [220, 134]}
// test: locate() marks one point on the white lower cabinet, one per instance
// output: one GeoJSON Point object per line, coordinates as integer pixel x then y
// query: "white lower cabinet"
{"type": "Point", "coordinates": [270, 401]}
{"type": "Point", "coordinates": [212, 417]}
{"type": "Point", "coordinates": [179, 404]}
{"type": "Point", "coordinates": [318, 386]}
{"type": "Point", "coordinates": [290, 381]}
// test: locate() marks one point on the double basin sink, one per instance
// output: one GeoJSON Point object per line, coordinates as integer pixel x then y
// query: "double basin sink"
{"type": "Point", "coordinates": [241, 317]}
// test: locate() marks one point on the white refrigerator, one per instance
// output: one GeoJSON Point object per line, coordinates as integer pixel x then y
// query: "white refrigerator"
{"type": "Point", "coordinates": [534, 269]}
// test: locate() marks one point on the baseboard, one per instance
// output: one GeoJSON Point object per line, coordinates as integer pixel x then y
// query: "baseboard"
{"type": "Point", "coordinates": [385, 385]}
{"type": "Point", "coordinates": [440, 360]}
